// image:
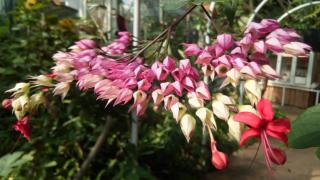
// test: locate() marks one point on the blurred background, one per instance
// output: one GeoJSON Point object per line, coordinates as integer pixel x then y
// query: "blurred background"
{"type": "Point", "coordinates": [31, 31]}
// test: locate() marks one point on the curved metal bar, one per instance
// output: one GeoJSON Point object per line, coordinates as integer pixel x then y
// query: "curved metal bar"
{"type": "Point", "coordinates": [256, 10]}
{"type": "Point", "coordinates": [296, 9]}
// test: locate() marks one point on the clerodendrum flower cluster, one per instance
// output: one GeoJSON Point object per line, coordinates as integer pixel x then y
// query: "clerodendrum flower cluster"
{"type": "Point", "coordinates": [177, 86]}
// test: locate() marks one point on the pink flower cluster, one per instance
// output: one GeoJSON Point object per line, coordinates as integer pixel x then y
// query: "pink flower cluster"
{"type": "Point", "coordinates": [248, 55]}
{"type": "Point", "coordinates": [119, 81]}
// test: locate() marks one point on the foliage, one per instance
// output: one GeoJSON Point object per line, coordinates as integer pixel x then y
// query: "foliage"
{"type": "Point", "coordinates": [11, 162]}
{"type": "Point", "coordinates": [306, 130]}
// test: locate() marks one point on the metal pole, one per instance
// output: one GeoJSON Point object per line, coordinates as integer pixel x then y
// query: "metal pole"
{"type": "Point", "coordinates": [136, 30]}
{"type": "Point", "coordinates": [108, 19]}
{"type": "Point", "coordinates": [83, 9]}
{"type": "Point", "coordinates": [206, 79]}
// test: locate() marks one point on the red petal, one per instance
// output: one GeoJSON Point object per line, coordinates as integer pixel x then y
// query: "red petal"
{"type": "Point", "coordinates": [280, 157]}
{"type": "Point", "coordinates": [248, 134]}
{"type": "Point", "coordinates": [281, 125]}
{"type": "Point", "coordinates": [23, 127]}
{"type": "Point", "coordinates": [264, 107]}
{"type": "Point", "coordinates": [280, 136]}
{"type": "Point", "coordinates": [249, 119]}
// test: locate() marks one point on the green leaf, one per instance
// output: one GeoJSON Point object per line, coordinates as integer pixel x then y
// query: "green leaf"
{"type": "Point", "coordinates": [305, 130]}
{"type": "Point", "coordinates": [10, 162]}
{"type": "Point", "coordinates": [318, 153]}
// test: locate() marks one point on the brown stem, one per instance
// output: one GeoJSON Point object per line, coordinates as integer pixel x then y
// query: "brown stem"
{"type": "Point", "coordinates": [211, 19]}
{"type": "Point", "coordinates": [97, 146]}
{"type": "Point", "coordinates": [264, 89]}
{"type": "Point", "coordinates": [172, 25]}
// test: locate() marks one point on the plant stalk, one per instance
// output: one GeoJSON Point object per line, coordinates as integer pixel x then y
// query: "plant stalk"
{"type": "Point", "coordinates": [95, 149]}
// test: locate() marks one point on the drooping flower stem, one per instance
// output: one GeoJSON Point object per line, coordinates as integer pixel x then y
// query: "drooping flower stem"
{"type": "Point", "coordinates": [255, 155]}
{"type": "Point", "coordinates": [210, 134]}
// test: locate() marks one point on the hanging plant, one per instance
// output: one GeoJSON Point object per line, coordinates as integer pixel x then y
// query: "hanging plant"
{"type": "Point", "coordinates": [191, 89]}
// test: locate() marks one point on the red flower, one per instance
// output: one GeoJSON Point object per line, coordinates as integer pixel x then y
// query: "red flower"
{"type": "Point", "coordinates": [263, 126]}
{"type": "Point", "coordinates": [219, 159]}
{"type": "Point", "coordinates": [23, 127]}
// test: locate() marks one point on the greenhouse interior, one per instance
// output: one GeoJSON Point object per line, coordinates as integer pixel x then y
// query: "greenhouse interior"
{"type": "Point", "coordinates": [160, 89]}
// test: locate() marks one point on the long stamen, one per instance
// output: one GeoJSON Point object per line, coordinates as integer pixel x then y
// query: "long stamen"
{"type": "Point", "coordinates": [270, 148]}
{"type": "Point", "coordinates": [265, 151]}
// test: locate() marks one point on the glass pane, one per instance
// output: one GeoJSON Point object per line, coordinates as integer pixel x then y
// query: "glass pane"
{"type": "Point", "coordinates": [285, 69]}
{"type": "Point", "coordinates": [301, 71]}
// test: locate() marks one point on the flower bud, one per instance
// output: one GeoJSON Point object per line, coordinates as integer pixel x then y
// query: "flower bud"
{"type": "Point", "coordinates": [247, 108]}
{"type": "Point", "coordinates": [188, 125]}
{"type": "Point", "coordinates": [225, 41]}
{"type": "Point", "coordinates": [208, 71]}
{"type": "Point", "coordinates": [220, 110]}
{"type": "Point", "coordinates": [195, 102]}
{"type": "Point", "coordinates": [139, 96]}
{"type": "Point", "coordinates": [235, 128]}
{"type": "Point", "coordinates": [6, 103]}
{"type": "Point", "coordinates": [219, 159]}
{"type": "Point", "coordinates": [206, 116]}
{"type": "Point", "coordinates": [233, 77]}
{"type": "Point", "coordinates": [21, 103]}
{"type": "Point", "coordinates": [36, 100]}
{"type": "Point", "coordinates": [157, 97]}
{"type": "Point", "coordinates": [61, 68]}
{"type": "Point", "coordinates": [203, 91]}
{"type": "Point", "coordinates": [253, 90]}
{"type": "Point", "coordinates": [169, 101]}
{"type": "Point", "coordinates": [19, 89]}
{"type": "Point", "coordinates": [280, 157]}
{"type": "Point", "coordinates": [224, 99]}
{"type": "Point", "coordinates": [178, 110]}
{"type": "Point", "coordinates": [268, 71]}
{"type": "Point", "coordinates": [61, 88]}
{"type": "Point", "coordinates": [41, 80]}
{"type": "Point", "coordinates": [20, 106]}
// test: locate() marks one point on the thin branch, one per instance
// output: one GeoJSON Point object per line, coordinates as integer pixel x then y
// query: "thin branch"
{"type": "Point", "coordinates": [255, 156]}
{"type": "Point", "coordinates": [206, 12]}
{"type": "Point", "coordinates": [210, 19]}
{"type": "Point", "coordinates": [173, 24]}
{"type": "Point", "coordinates": [95, 149]}
{"type": "Point", "coordinates": [264, 89]}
